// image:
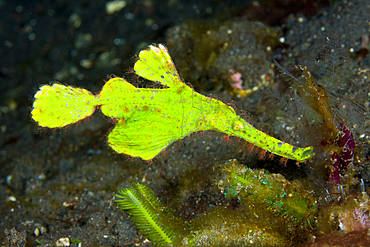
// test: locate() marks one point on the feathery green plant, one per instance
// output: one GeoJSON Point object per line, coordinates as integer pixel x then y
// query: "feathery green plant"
{"type": "Point", "coordinates": [147, 213]}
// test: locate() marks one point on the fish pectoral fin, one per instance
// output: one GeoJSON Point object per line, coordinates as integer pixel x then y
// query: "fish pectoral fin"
{"type": "Point", "coordinates": [141, 138]}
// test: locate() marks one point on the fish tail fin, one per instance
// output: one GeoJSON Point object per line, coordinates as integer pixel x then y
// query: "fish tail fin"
{"type": "Point", "coordinates": [58, 105]}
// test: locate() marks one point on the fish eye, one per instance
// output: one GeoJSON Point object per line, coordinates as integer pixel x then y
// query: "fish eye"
{"type": "Point", "coordinates": [238, 125]}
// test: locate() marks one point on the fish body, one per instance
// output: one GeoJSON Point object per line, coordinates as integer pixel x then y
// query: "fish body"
{"type": "Point", "coordinates": [150, 119]}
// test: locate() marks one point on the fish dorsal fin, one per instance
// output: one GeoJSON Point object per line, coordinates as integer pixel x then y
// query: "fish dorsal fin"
{"type": "Point", "coordinates": [155, 64]}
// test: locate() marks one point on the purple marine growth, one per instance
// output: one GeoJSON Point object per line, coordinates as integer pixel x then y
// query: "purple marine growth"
{"type": "Point", "coordinates": [333, 138]}
{"type": "Point", "coordinates": [341, 162]}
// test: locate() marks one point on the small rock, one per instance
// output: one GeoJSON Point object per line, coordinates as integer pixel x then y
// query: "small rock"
{"type": "Point", "coordinates": [114, 6]}
{"type": "Point", "coordinates": [62, 242]}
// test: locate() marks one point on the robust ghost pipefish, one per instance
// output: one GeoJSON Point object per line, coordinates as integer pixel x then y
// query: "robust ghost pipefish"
{"type": "Point", "coordinates": [150, 119]}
